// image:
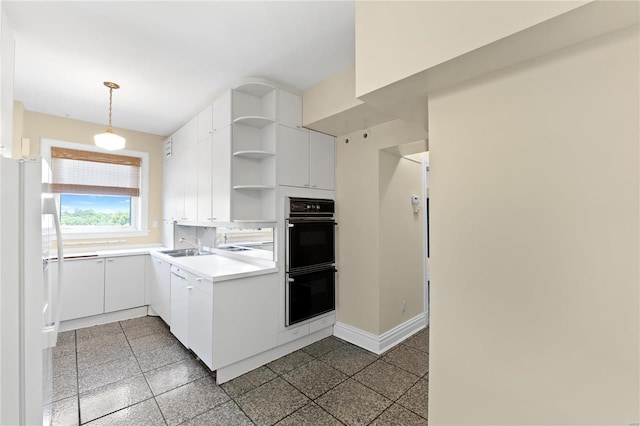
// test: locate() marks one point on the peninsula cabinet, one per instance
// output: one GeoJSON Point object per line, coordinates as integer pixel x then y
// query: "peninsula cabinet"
{"type": "Point", "coordinates": [158, 287]}
{"type": "Point", "coordinates": [306, 159]}
{"type": "Point", "coordinates": [192, 313]}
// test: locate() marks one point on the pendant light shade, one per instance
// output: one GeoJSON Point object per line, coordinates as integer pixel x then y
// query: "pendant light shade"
{"type": "Point", "coordinates": [109, 140]}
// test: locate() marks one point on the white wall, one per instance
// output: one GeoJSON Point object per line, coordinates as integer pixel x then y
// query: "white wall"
{"type": "Point", "coordinates": [535, 196]}
{"type": "Point", "coordinates": [7, 61]}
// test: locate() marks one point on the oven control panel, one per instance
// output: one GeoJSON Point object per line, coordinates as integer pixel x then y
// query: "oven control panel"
{"type": "Point", "coordinates": [311, 207]}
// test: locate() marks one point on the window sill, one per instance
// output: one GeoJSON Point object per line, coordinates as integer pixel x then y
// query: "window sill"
{"type": "Point", "coordinates": [71, 235]}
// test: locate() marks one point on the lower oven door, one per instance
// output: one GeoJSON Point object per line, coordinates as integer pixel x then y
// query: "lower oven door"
{"type": "Point", "coordinates": [310, 294]}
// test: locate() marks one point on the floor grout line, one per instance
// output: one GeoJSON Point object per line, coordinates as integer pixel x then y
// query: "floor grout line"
{"type": "Point", "coordinates": [311, 401]}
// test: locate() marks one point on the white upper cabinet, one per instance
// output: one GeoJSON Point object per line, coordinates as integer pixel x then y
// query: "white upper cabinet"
{"type": "Point", "coordinates": [190, 170]}
{"type": "Point", "coordinates": [205, 123]}
{"type": "Point", "coordinates": [306, 159]}
{"type": "Point", "coordinates": [205, 175]}
{"type": "Point", "coordinates": [222, 111]}
{"type": "Point", "coordinates": [186, 136]}
{"type": "Point", "coordinates": [221, 175]}
{"type": "Point", "coordinates": [293, 157]}
{"type": "Point", "coordinates": [322, 159]}
{"type": "Point", "coordinates": [173, 187]}
{"type": "Point", "coordinates": [290, 110]}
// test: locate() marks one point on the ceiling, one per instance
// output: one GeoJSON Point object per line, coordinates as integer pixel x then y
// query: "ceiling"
{"type": "Point", "coordinates": [171, 58]}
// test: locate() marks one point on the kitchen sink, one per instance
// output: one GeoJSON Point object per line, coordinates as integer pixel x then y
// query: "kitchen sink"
{"type": "Point", "coordinates": [185, 252]}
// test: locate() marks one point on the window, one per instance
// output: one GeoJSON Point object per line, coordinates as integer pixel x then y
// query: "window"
{"type": "Point", "coordinates": [99, 193]}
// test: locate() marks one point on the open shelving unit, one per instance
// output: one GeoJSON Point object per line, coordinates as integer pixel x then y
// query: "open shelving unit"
{"type": "Point", "coordinates": [253, 152]}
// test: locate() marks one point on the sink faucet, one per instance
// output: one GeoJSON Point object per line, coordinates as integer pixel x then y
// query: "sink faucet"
{"type": "Point", "coordinates": [197, 244]}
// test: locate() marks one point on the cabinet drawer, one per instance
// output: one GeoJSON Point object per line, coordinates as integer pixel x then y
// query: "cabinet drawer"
{"type": "Point", "coordinates": [321, 323]}
{"type": "Point", "coordinates": [202, 284]}
{"type": "Point", "coordinates": [293, 334]}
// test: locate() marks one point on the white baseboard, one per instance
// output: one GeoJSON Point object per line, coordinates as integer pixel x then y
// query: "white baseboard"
{"type": "Point", "coordinates": [103, 318]}
{"type": "Point", "coordinates": [239, 368]}
{"type": "Point", "coordinates": [380, 343]}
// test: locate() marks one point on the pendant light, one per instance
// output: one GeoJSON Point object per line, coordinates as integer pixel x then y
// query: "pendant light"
{"type": "Point", "coordinates": [109, 140]}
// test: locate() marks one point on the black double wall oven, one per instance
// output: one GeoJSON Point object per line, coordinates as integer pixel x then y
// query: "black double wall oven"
{"type": "Point", "coordinates": [310, 259]}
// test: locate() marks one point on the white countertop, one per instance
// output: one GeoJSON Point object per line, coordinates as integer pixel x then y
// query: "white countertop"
{"type": "Point", "coordinates": [220, 266]}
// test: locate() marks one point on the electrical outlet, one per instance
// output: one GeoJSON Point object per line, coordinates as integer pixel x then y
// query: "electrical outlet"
{"type": "Point", "coordinates": [404, 305]}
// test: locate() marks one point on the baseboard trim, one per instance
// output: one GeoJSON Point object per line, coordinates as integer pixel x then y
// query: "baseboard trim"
{"type": "Point", "coordinates": [103, 318]}
{"type": "Point", "coordinates": [380, 343]}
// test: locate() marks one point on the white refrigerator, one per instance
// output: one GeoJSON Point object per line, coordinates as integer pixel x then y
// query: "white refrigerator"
{"type": "Point", "coordinates": [28, 306]}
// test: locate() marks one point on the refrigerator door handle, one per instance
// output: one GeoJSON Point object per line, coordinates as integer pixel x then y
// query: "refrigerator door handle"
{"type": "Point", "coordinates": [50, 334]}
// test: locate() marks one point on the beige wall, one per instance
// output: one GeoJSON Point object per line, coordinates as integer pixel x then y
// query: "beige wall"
{"type": "Point", "coordinates": [331, 106]}
{"type": "Point", "coordinates": [358, 240]}
{"type": "Point", "coordinates": [37, 126]}
{"type": "Point", "coordinates": [368, 179]}
{"type": "Point", "coordinates": [337, 93]}
{"type": "Point", "coordinates": [535, 242]}
{"type": "Point", "coordinates": [386, 54]}
{"type": "Point", "coordinates": [401, 241]}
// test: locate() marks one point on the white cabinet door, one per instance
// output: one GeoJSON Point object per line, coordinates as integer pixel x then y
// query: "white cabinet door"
{"type": "Point", "coordinates": [205, 123]}
{"type": "Point", "coordinates": [201, 319]}
{"type": "Point", "coordinates": [289, 110]}
{"type": "Point", "coordinates": [322, 154]}
{"type": "Point", "coordinates": [179, 306]}
{"type": "Point", "coordinates": [158, 285]}
{"type": "Point", "coordinates": [245, 317]}
{"type": "Point", "coordinates": [221, 178]}
{"type": "Point", "coordinates": [124, 283]}
{"type": "Point", "coordinates": [190, 171]}
{"type": "Point", "coordinates": [293, 157]}
{"type": "Point", "coordinates": [205, 176]}
{"type": "Point", "coordinates": [222, 111]}
{"type": "Point", "coordinates": [83, 288]}
{"type": "Point", "coordinates": [173, 187]}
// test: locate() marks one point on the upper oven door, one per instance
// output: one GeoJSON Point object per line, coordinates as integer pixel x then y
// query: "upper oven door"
{"type": "Point", "coordinates": [310, 243]}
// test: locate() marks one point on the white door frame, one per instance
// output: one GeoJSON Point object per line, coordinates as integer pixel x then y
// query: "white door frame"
{"type": "Point", "coordinates": [425, 235]}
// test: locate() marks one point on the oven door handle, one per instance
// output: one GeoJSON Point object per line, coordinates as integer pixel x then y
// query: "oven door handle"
{"type": "Point", "coordinates": [291, 220]}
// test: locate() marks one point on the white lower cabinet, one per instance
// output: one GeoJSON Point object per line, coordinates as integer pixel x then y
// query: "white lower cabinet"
{"type": "Point", "coordinates": [296, 332]}
{"type": "Point", "coordinates": [245, 318]}
{"type": "Point", "coordinates": [158, 286]}
{"type": "Point", "coordinates": [83, 290]}
{"type": "Point", "coordinates": [98, 285]}
{"type": "Point", "coordinates": [124, 283]}
{"type": "Point", "coordinates": [192, 313]}
{"type": "Point", "coordinates": [180, 305]}
{"type": "Point", "coordinates": [200, 325]}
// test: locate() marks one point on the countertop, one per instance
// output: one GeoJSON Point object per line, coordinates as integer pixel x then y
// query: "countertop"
{"type": "Point", "coordinates": [220, 266]}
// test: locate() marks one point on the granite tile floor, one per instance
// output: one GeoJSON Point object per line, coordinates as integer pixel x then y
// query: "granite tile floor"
{"type": "Point", "coordinates": [135, 372]}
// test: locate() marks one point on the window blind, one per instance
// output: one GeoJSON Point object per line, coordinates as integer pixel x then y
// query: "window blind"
{"type": "Point", "coordinates": [87, 172]}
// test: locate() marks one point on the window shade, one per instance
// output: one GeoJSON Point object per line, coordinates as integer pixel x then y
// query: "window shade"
{"type": "Point", "coordinates": [87, 172]}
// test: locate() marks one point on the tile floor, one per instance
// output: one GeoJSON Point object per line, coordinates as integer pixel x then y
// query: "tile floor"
{"type": "Point", "coordinates": [136, 373]}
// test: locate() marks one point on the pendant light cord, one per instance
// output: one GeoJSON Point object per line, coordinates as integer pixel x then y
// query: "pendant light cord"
{"type": "Point", "coordinates": [110, 101]}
